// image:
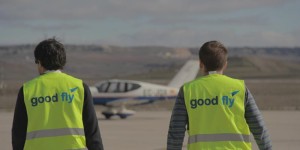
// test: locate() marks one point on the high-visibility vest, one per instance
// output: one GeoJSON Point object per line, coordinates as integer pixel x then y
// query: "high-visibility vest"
{"type": "Point", "coordinates": [216, 108]}
{"type": "Point", "coordinates": [54, 104]}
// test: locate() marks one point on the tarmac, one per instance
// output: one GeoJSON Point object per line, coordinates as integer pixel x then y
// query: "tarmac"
{"type": "Point", "coordinates": [147, 130]}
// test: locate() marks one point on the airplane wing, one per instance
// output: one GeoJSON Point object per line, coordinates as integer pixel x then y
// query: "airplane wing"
{"type": "Point", "coordinates": [129, 101]}
{"type": "Point", "coordinates": [187, 73]}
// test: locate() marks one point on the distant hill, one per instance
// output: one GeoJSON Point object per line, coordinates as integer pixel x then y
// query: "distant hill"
{"type": "Point", "coordinates": [155, 64]}
{"type": "Point", "coordinates": [94, 62]}
{"type": "Point", "coordinates": [233, 51]}
{"type": "Point", "coordinates": [251, 51]}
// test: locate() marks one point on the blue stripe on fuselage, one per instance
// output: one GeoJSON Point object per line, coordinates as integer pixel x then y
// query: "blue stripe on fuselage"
{"type": "Point", "coordinates": [105, 100]}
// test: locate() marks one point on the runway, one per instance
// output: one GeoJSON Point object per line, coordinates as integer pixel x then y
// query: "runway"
{"type": "Point", "coordinates": [147, 130]}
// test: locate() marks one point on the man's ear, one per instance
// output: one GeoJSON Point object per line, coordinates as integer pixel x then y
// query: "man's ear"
{"type": "Point", "coordinates": [202, 67]}
{"type": "Point", "coordinates": [40, 68]}
{"type": "Point", "coordinates": [225, 66]}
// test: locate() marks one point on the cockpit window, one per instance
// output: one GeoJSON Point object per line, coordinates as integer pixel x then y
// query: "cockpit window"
{"type": "Point", "coordinates": [117, 87]}
{"type": "Point", "coordinates": [112, 87]}
{"type": "Point", "coordinates": [132, 86]}
{"type": "Point", "coordinates": [129, 86]}
{"type": "Point", "coordinates": [121, 87]}
{"type": "Point", "coordinates": [103, 87]}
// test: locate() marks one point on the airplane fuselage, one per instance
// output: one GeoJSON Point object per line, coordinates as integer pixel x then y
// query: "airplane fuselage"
{"type": "Point", "coordinates": [130, 92]}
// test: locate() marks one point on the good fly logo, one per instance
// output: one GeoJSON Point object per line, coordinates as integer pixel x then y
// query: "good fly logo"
{"type": "Point", "coordinates": [63, 97]}
{"type": "Point", "coordinates": [226, 100]}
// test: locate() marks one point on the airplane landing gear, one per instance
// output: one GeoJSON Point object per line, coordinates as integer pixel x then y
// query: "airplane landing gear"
{"type": "Point", "coordinates": [123, 113]}
{"type": "Point", "coordinates": [107, 115]}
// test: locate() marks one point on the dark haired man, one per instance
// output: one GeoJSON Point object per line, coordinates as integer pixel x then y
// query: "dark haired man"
{"type": "Point", "coordinates": [54, 110]}
{"type": "Point", "coordinates": [219, 111]}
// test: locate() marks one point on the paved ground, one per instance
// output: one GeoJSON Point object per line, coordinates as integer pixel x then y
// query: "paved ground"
{"type": "Point", "coordinates": [147, 130]}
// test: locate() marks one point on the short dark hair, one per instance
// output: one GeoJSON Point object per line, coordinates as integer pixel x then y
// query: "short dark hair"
{"type": "Point", "coordinates": [213, 55]}
{"type": "Point", "coordinates": [50, 54]}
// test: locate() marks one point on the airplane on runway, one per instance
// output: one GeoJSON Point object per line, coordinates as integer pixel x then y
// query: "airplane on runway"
{"type": "Point", "coordinates": [116, 94]}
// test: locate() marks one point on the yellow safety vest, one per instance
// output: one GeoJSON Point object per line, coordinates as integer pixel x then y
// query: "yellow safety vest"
{"type": "Point", "coordinates": [216, 109]}
{"type": "Point", "coordinates": [54, 104]}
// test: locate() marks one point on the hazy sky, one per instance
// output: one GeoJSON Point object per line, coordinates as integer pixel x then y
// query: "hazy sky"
{"type": "Point", "coordinates": [176, 23]}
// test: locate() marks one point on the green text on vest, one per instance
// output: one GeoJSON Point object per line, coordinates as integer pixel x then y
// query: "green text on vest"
{"type": "Point", "coordinates": [226, 100]}
{"type": "Point", "coordinates": [61, 96]}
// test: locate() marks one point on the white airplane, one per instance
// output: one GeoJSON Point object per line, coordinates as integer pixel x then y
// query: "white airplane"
{"type": "Point", "coordinates": [116, 94]}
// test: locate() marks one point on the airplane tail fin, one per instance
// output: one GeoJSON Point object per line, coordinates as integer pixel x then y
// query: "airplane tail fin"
{"type": "Point", "coordinates": [187, 73]}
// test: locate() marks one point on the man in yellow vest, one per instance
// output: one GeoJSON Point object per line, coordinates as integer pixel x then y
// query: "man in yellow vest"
{"type": "Point", "coordinates": [218, 111]}
{"type": "Point", "coordinates": [54, 111]}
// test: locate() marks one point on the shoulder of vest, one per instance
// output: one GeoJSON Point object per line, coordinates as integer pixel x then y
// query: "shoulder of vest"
{"type": "Point", "coordinates": [32, 80]}
{"type": "Point", "coordinates": [238, 81]}
{"type": "Point", "coordinates": [192, 82]}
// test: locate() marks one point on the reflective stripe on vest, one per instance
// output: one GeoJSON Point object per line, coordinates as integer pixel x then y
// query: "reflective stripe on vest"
{"type": "Point", "coordinates": [54, 132]}
{"type": "Point", "coordinates": [218, 137]}
{"type": "Point", "coordinates": [78, 149]}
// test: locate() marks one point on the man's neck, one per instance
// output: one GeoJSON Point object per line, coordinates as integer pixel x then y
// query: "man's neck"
{"type": "Point", "coordinates": [48, 71]}
{"type": "Point", "coordinates": [214, 72]}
